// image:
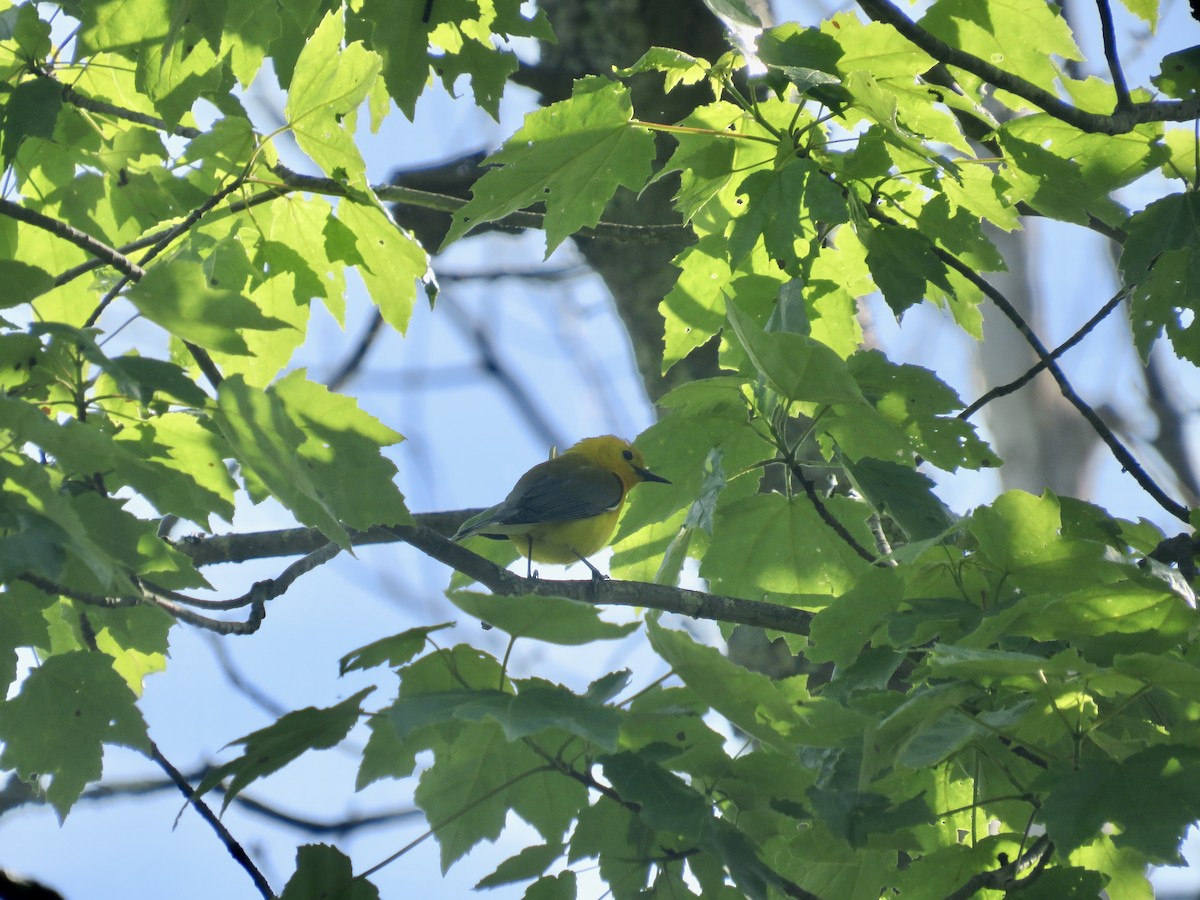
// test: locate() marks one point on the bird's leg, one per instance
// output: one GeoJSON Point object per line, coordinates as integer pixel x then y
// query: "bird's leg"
{"type": "Point", "coordinates": [529, 558]}
{"type": "Point", "coordinates": [597, 575]}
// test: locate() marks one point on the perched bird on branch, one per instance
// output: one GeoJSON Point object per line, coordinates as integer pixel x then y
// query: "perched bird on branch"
{"type": "Point", "coordinates": [565, 509]}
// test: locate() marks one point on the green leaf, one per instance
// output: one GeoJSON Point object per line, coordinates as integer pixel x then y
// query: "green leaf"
{"type": "Point", "coordinates": [903, 264]}
{"type": "Point", "coordinates": [122, 25]}
{"type": "Point", "coordinates": [618, 838]}
{"type": "Point", "coordinates": [158, 466]}
{"type": "Point", "coordinates": [485, 775]}
{"type": "Point", "coordinates": [31, 111]}
{"type": "Point", "coordinates": [553, 887]}
{"type": "Point", "coordinates": [395, 651]}
{"type": "Point", "coordinates": [555, 620]}
{"type": "Point", "coordinates": [1159, 262]}
{"type": "Point", "coordinates": [678, 67]}
{"type": "Point", "coordinates": [1170, 673]}
{"type": "Point", "coordinates": [487, 66]}
{"type": "Point", "coordinates": [176, 74]}
{"type": "Point", "coordinates": [795, 365]}
{"type": "Point", "coordinates": [1179, 73]}
{"type": "Point", "coordinates": [342, 450]}
{"type": "Point", "coordinates": [135, 638]}
{"type": "Point", "coordinates": [142, 378]}
{"type": "Point", "coordinates": [706, 415]}
{"type": "Point", "coordinates": [855, 815]}
{"type": "Point", "coordinates": [708, 161]}
{"type": "Point", "coordinates": [178, 461]}
{"type": "Point", "coordinates": [529, 863]}
{"type": "Point", "coordinates": [392, 261]}
{"type": "Point", "coordinates": [771, 544]}
{"type": "Point", "coordinates": [54, 730]}
{"type": "Point", "coordinates": [324, 872]}
{"type": "Point", "coordinates": [536, 708]}
{"type": "Point", "coordinates": [1057, 185]}
{"type": "Point", "coordinates": [665, 802]}
{"type": "Point", "coordinates": [907, 416]}
{"type": "Point", "coordinates": [905, 494]}
{"type": "Point", "coordinates": [23, 621]}
{"type": "Point", "coordinates": [270, 749]}
{"type": "Point", "coordinates": [330, 82]}
{"type": "Point", "coordinates": [1105, 162]}
{"type": "Point", "coordinates": [314, 451]}
{"type": "Point", "coordinates": [266, 440]}
{"type": "Point", "coordinates": [572, 156]}
{"type": "Point", "coordinates": [784, 205]}
{"type": "Point", "coordinates": [22, 282]}
{"type": "Point", "coordinates": [780, 714]}
{"type": "Point", "coordinates": [177, 296]}
{"type": "Point", "coordinates": [52, 532]}
{"type": "Point", "coordinates": [844, 627]}
{"type": "Point", "coordinates": [1152, 795]}
{"type": "Point", "coordinates": [1021, 535]}
{"type": "Point", "coordinates": [1017, 35]}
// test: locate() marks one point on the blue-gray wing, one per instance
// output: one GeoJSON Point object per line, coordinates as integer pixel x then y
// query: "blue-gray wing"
{"type": "Point", "coordinates": [568, 489]}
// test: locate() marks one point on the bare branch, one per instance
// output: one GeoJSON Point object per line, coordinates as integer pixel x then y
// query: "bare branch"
{"type": "Point", "coordinates": [1108, 34]}
{"type": "Point", "coordinates": [1119, 450]}
{"type": "Point", "coordinates": [235, 849]}
{"type": "Point", "coordinates": [828, 518]}
{"type": "Point", "coordinates": [1017, 383]}
{"type": "Point", "coordinates": [697, 604]}
{"type": "Point", "coordinates": [178, 604]}
{"type": "Point", "coordinates": [351, 364]}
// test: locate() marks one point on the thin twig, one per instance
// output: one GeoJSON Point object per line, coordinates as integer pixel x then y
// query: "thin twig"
{"type": "Point", "coordinates": [98, 249]}
{"type": "Point", "coordinates": [1108, 34]}
{"type": "Point", "coordinates": [46, 586]}
{"type": "Point", "coordinates": [161, 244]}
{"type": "Point", "coordinates": [1005, 877]}
{"type": "Point", "coordinates": [882, 545]}
{"type": "Point", "coordinates": [1041, 364]}
{"type": "Point", "coordinates": [261, 591]}
{"type": "Point", "coordinates": [235, 849]}
{"type": "Point", "coordinates": [352, 362]}
{"type": "Point", "coordinates": [1119, 450]}
{"type": "Point", "coordinates": [340, 827]}
{"type": "Point", "coordinates": [180, 605]}
{"type": "Point", "coordinates": [827, 517]}
{"type": "Point", "coordinates": [73, 97]}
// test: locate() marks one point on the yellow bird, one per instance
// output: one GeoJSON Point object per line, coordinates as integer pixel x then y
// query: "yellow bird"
{"type": "Point", "coordinates": [565, 509]}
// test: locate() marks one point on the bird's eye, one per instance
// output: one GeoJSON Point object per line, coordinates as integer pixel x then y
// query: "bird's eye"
{"type": "Point", "coordinates": [628, 454]}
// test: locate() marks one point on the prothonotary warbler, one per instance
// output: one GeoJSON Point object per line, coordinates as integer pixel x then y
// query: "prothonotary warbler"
{"type": "Point", "coordinates": [565, 509]}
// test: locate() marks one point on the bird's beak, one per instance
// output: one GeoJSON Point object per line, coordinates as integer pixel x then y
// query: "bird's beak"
{"type": "Point", "coordinates": [647, 475]}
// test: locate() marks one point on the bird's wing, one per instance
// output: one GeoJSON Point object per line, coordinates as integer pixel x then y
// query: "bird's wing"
{"type": "Point", "coordinates": [570, 489]}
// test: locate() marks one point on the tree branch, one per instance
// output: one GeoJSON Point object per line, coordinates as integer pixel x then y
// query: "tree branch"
{"type": "Point", "coordinates": [696, 604]}
{"type": "Point", "coordinates": [1108, 34]}
{"type": "Point", "coordinates": [235, 849]}
{"type": "Point", "coordinates": [100, 250]}
{"type": "Point", "coordinates": [1121, 121]}
{"type": "Point", "coordinates": [1017, 383]}
{"type": "Point", "coordinates": [73, 97]}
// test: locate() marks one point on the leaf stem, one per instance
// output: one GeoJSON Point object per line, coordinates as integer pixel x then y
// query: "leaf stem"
{"type": "Point", "coordinates": [710, 132]}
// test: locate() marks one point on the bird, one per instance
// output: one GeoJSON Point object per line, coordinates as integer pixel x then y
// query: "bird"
{"type": "Point", "coordinates": [565, 509]}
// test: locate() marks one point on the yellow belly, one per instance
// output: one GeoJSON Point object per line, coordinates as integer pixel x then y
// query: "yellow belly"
{"type": "Point", "coordinates": [565, 542]}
